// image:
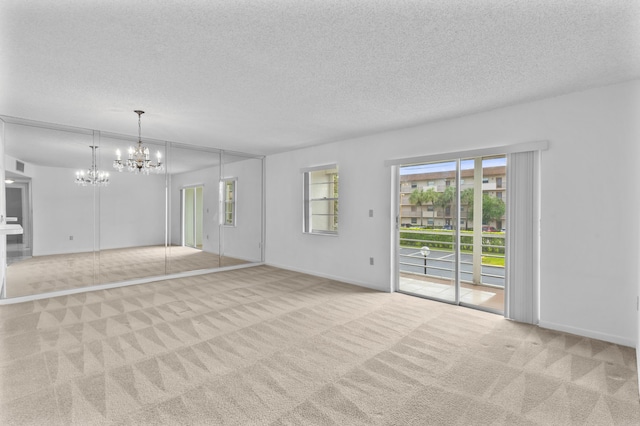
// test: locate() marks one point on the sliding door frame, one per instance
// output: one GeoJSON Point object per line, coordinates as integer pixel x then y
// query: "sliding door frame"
{"type": "Point", "coordinates": [194, 218]}
{"type": "Point", "coordinates": [395, 165]}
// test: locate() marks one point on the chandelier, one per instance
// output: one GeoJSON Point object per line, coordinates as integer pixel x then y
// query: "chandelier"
{"type": "Point", "coordinates": [92, 176]}
{"type": "Point", "coordinates": [138, 161]}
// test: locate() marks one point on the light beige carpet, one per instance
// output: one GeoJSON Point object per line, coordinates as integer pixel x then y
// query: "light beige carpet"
{"type": "Point", "coordinates": [44, 274]}
{"type": "Point", "coordinates": [263, 346]}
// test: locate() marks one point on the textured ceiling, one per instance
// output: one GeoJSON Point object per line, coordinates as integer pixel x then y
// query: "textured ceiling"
{"type": "Point", "coordinates": [264, 76]}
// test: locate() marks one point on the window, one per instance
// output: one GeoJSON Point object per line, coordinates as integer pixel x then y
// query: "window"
{"type": "Point", "coordinates": [414, 185]}
{"type": "Point", "coordinates": [321, 200]}
{"type": "Point", "coordinates": [414, 221]}
{"type": "Point", "coordinates": [229, 216]}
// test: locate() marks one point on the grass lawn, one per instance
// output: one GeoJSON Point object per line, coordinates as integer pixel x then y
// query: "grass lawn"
{"type": "Point", "coordinates": [493, 261]}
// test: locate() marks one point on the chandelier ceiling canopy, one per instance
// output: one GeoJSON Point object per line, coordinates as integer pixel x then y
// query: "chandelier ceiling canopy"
{"type": "Point", "coordinates": [138, 161]}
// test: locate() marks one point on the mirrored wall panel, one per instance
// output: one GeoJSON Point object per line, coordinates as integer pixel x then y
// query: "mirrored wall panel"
{"type": "Point", "coordinates": [194, 240]}
{"type": "Point", "coordinates": [92, 217]}
{"type": "Point", "coordinates": [131, 214]}
{"type": "Point", "coordinates": [241, 188]}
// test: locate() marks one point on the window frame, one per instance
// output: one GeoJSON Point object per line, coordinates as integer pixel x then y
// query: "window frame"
{"type": "Point", "coordinates": [234, 211]}
{"type": "Point", "coordinates": [308, 201]}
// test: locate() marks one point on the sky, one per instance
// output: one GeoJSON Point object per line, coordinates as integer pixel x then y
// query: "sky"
{"type": "Point", "coordinates": [447, 166]}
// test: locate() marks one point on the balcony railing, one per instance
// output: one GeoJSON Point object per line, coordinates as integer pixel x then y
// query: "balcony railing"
{"type": "Point", "coordinates": [441, 261]}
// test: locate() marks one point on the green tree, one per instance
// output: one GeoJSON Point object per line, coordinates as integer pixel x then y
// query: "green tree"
{"type": "Point", "coordinates": [493, 208]}
{"type": "Point", "coordinates": [445, 198]}
{"type": "Point", "coordinates": [417, 198]}
{"type": "Point", "coordinates": [466, 199]}
{"type": "Point", "coordinates": [431, 196]}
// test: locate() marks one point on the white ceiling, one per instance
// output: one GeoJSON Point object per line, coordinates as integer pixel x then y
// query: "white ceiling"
{"type": "Point", "coordinates": [265, 76]}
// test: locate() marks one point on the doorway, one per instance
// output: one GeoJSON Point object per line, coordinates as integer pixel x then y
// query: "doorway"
{"type": "Point", "coordinates": [192, 217]}
{"type": "Point", "coordinates": [451, 236]}
{"type": "Point", "coordinates": [18, 209]}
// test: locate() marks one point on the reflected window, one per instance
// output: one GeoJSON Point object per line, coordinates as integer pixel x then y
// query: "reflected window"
{"type": "Point", "coordinates": [230, 201]}
{"type": "Point", "coordinates": [321, 200]}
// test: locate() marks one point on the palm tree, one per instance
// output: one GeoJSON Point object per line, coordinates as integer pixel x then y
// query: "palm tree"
{"type": "Point", "coordinates": [417, 198]}
{"type": "Point", "coordinates": [466, 199]}
{"type": "Point", "coordinates": [431, 196]}
{"type": "Point", "coordinates": [446, 198]}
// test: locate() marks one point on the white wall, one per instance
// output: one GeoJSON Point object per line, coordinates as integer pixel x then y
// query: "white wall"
{"type": "Point", "coordinates": [243, 241]}
{"type": "Point", "coordinates": [589, 226]}
{"type": "Point", "coordinates": [131, 212]}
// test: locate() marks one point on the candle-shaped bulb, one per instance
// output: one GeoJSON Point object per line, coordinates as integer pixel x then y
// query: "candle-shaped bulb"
{"type": "Point", "coordinates": [158, 156]}
{"type": "Point", "coordinates": [118, 154]}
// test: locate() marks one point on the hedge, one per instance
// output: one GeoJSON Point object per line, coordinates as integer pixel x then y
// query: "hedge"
{"type": "Point", "coordinates": [444, 240]}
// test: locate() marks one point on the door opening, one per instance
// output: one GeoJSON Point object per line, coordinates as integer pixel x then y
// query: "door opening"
{"type": "Point", "coordinates": [18, 209]}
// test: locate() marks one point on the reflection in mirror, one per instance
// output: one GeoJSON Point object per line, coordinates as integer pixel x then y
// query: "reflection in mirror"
{"type": "Point", "coordinates": [242, 225]}
{"type": "Point", "coordinates": [135, 226]}
{"type": "Point", "coordinates": [132, 216]}
{"type": "Point", "coordinates": [194, 241]}
{"type": "Point", "coordinates": [59, 254]}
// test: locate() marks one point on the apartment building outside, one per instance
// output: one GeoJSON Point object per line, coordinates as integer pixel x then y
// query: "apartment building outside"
{"type": "Point", "coordinates": [433, 216]}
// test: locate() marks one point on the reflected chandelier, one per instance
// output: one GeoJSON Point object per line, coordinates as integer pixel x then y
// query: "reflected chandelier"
{"type": "Point", "coordinates": [138, 161]}
{"type": "Point", "coordinates": [92, 176]}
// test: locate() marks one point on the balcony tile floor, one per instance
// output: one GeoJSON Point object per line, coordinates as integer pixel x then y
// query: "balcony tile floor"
{"type": "Point", "coordinates": [487, 297]}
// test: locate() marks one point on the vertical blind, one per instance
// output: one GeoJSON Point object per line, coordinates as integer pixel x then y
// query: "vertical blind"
{"type": "Point", "coordinates": [523, 237]}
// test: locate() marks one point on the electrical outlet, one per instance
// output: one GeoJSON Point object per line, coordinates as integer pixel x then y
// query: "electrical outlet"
{"type": "Point", "coordinates": [70, 237]}
{"type": "Point", "coordinates": [371, 261]}
{"type": "Point", "coordinates": [370, 212]}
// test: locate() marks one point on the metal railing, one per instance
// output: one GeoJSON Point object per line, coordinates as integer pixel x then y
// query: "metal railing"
{"type": "Point", "coordinates": [440, 263]}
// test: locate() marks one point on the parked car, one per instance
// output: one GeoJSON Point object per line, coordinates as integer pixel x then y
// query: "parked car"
{"type": "Point", "coordinates": [486, 228]}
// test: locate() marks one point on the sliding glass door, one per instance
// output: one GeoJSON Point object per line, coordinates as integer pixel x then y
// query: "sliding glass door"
{"type": "Point", "coordinates": [451, 231]}
{"type": "Point", "coordinates": [428, 244]}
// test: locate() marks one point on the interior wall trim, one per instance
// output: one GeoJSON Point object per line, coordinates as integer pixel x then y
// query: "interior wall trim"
{"type": "Point", "coordinates": [146, 280]}
{"type": "Point", "coordinates": [120, 136]}
{"type": "Point", "coordinates": [479, 152]}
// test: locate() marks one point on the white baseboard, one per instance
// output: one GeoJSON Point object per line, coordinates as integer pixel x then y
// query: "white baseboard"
{"type": "Point", "coordinates": [612, 338]}
{"type": "Point", "coordinates": [328, 276]}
